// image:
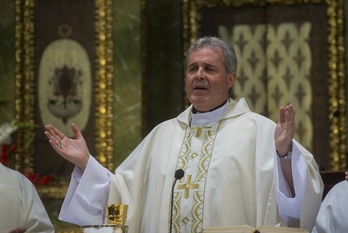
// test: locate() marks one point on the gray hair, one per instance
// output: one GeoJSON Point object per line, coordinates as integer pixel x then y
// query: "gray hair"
{"type": "Point", "coordinates": [230, 59]}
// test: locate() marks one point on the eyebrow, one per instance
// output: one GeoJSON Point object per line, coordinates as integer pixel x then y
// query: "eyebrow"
{"type": "Point", "coordinates": [204, 64]}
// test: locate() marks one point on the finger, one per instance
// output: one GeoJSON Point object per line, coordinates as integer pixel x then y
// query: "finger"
{"type": "Point", "coordinates": [76, 131]}
{"type": "Point", "coordinates": [56, 146]}
{"type": "Point", "coordinates": [54, 131]}
{"type": "Point", "coordinates": [54, 138]}
{"type": "Point", "coordinates": [291, 112]}
{"type": "Point", "coordinates": [282, 115]}
{"type": "Point", "coordinates": [291, 117]}
{"type": "Point", "coordinates": [290, 124]}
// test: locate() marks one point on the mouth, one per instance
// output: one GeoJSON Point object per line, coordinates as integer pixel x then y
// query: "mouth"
{"type": "Point", "coordinates": [200, 88]}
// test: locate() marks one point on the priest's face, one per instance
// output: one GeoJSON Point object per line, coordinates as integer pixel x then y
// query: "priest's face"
{"type": "Point", "coordinates": [207, 84]}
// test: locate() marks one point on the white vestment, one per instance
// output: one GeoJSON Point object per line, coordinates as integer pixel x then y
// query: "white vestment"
{"type": "Point", "coordinates": [232, 177]}
{"type": "Point", "coordinates": [20, 204]}
{"type": "Point", "coordinates": [332, 216]}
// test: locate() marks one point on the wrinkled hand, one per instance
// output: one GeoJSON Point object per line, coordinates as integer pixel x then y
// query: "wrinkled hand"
{"type": "Point", "coordinates": [285, 130]}
{"type": "Point", "coordinates": [74, 150]}
{"type": "Point", "coordinates": [18, 230]}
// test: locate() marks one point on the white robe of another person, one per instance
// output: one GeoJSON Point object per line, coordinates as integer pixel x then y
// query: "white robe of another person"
{"type": "Point", "coordinates": [232, 177]}
{"type": "Point", "coordinates": [20, 204]}
{"type": "Point", "coordinates": [332, 216]}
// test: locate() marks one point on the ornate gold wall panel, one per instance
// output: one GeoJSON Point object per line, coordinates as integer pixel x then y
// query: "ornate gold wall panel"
{"type": "Point", "coordinates": [288, 52]}
{"type": "Point", "coordinates": [27, 49]}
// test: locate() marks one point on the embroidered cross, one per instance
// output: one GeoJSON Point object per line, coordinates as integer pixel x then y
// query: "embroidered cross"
{"type": "Point", "coordinates": [187, 186]}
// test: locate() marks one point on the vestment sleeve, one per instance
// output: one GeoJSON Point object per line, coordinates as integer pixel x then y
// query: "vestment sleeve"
{"type": "Point", "coordinates": [87, 195]}
{"type": "Point", "coordinates": [308, 188]}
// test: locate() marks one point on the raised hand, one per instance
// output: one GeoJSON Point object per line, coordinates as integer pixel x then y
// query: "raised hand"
{"type": "Point", "coordinates": [285, 130]}
{"type": "Point", "coordinates": [74, 150]}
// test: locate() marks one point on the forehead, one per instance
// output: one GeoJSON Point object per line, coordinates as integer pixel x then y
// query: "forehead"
{"type": "Point", "coordinates": [210, 55]}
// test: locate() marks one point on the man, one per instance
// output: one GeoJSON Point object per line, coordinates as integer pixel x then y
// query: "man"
{"type": "Point", "coordinates": [332, 216]}
{"type": "Point", "coordinates": [240, 167]}
{"type": "Point", "coordinates": [21, 207]}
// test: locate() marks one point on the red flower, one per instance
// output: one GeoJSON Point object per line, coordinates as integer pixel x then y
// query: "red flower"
{"type": "Point", "coordinates": [37, 180]}
{"type": "Point", "coordinates": [33, 177]}
{"type": "Point", "coordinates": [45, 180]}
{"type": "Point", "coordinates": [12, 148]}
{"type": "Point", "coordinates": [4, 158]}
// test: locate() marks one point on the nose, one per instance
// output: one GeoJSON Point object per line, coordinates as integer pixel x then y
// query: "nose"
{"type": "Point", "coordinates": [200, 74]}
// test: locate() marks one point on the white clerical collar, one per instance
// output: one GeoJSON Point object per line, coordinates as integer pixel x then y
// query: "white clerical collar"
{"type": "Point", "coordinates": [207, 119]}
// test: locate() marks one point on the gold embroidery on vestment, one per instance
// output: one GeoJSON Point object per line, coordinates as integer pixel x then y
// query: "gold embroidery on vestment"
{"type": "Point", "coordinates": [187, 186]}
{"type": "Point", "coordinates": [194, 159]}
{"type": "Point", "coordinates": [199, 131]}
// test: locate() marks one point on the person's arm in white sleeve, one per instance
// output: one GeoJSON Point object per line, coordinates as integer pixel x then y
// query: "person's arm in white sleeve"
{"type": "Point", "coordinates": [89, 187]}
{"type": "Point", "coordinates": [87, 195]}
{"type": "Point", "coordinates": [298, 183]}
{"type": "Point", "coordinates": [284, 194]}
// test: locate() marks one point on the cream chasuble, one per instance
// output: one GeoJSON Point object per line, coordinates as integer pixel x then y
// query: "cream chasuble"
{"type": "Point", "coordinates": [230, 177]}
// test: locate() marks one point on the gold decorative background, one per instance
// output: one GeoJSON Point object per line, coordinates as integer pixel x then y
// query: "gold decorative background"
{"type": "Point", "coordinates": [284, 60]}
{"type": "Point", "coordinates": [25, 105]}
{"type": "Point", "coordinates": [25, 79]}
